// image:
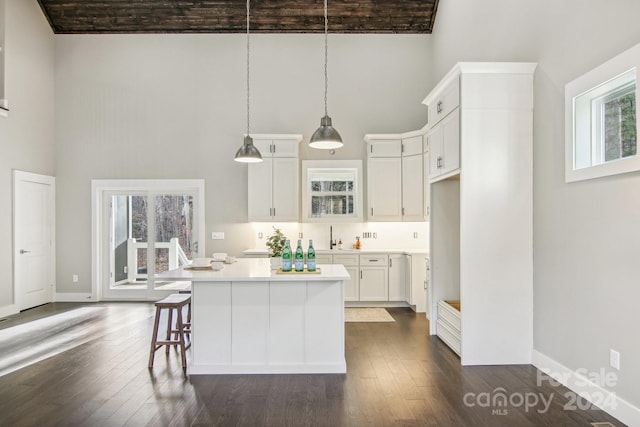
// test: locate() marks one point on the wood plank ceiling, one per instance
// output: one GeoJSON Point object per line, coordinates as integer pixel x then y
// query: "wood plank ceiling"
{"type": "Point", "coordinates": [229, 16]}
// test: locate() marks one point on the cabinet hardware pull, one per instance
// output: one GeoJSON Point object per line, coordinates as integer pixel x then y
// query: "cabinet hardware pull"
{"type": "Point", "coordinates": [374, 260]}
{"type": "Point", "coordinates": [390, 262]}
{"type": "Point", "coordinates": [371, 148]}
{"type": "Point", "coordinates": [439, 107]}
{"type": "Point", "coordinates": [274, 211]}
{"type": "Point", "coordinates": [361, 274]}
{"type": "Point", "coordinates": [402, 211]}
{"type": "Point", "coordinates": [439, 162]}
{"type": "Point", "coordinates": [402, 148]}
{"type": "Point", "coordinates": [371, 211]}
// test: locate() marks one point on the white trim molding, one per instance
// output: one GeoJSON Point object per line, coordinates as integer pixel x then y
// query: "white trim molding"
{"type": "Point", "coordinates": [9, 310]}
{"type": "Point", "coordinates": [74, 297]}
{"type": "Point", "coordinates": [583, 386]}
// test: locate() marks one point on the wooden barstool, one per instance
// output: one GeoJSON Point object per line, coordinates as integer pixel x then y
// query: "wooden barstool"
{"type": "Point", "coordinates": [172, 302]}
{"type": "Point", "coordinates": [188, 324]}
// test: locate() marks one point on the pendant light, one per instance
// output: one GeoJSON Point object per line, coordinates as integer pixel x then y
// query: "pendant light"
{"type": "Point", "coordinates": [248, 153]}
{"type": "Point", "coordinates": [326, 137]}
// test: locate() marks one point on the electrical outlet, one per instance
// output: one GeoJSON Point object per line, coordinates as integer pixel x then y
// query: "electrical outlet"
{"type": "Point", "coordinates": [375, 235]}
{"type": "Point", "coordinates": [75, 278]}
{"type": "Point", "coordinates": [614, 359]}
{"type": "Point", "coordinates": [217, 235]}
{"type": "Point", "coordinates": [415, 234]}
{"type": "Point", "coordinates": [300, 235]}
{"type": "Point", "coordinates": [260, 235]}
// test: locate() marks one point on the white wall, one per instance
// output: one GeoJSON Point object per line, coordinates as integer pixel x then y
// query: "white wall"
{"type": "Point", "coordinates": [27, 135]}
{"type": "Point", "coordinates": [174, 106]}
{"type": "Point", "coordinates": [586, 234]}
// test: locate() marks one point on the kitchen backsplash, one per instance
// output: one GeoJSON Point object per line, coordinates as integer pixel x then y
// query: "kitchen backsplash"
{"type": "Point", "coordinates": [383, 235]}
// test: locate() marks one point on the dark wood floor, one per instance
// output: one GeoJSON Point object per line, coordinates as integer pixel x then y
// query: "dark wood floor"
{"type": "Point", "coordinates": [397, 376]}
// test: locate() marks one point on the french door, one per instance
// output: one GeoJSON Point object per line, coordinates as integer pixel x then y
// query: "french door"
{"type": "Point", "coordinates": [146, 228]}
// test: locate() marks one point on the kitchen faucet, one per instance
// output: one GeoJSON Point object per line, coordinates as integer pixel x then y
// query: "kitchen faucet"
{"type": "Point", "coordinates": [332, 242]}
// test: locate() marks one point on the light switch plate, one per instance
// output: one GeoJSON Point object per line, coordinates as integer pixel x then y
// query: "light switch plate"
{"type": "Point", "coordinates": [217, 235]}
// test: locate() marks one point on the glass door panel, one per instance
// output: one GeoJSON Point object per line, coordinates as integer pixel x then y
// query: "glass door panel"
{"type": "Point", "coordinates": [174, 235]}
{"type": "Point", "coordinates": [128, 242]}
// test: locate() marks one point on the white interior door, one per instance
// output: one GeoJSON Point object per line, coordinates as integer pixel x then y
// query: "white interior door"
{"type": "Point", "coordinates": [33, 236]}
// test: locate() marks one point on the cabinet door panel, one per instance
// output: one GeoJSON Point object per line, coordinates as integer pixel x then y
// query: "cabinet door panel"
{"type": "Point", "coordinates": [374, 284]}
{"type": "Point", "coordinates": [412, 192]}
{"type": "Point", "coordinates": [285, 189]}
{"type": "Point", "coordinates": [385, 189]}
{"type": "Point", "coordinates": [398, 278]}
{"type": "Point", "coordinates": [435, 150]}
{"type": "Point", "coordinates": [285, 148]}
{"type": "Point", "coordinates": [426, 193]}
{"type": "Point", "coordinates": [385, 148]}
{"type": "Point", "coordinates": [352, 287]}
{"type": "Point", "coordinates": [259, 197]}
{"type": "Point", "coordinates": [264, 146]}
{"type": "Point", "coordinates": [451, 142]}
{"type": "Point", "coordinates": [412, 146]}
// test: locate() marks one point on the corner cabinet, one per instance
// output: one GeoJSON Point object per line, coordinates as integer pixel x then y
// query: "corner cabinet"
{"type": "Point", "coordinates": [395, 177]}
{"type": "Point", "coordinates": [273, 184]}
{"type": "Point", "coordinates": [481, 245]}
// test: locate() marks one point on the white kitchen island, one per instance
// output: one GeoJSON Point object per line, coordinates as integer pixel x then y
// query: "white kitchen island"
{"type": "Point", "coordinates": [246, 319]}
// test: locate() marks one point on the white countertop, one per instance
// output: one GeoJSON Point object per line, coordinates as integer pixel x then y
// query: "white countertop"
{"type": "Point", "coordinates": [254, 269]}
{"type": "Point", "coordinates": [264, 251]}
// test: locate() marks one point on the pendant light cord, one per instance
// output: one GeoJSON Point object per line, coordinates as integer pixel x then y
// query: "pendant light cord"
{"type": "Point", "coordinates": [248, 46]}
{"type": "Point", "coordinates": [326, 56]}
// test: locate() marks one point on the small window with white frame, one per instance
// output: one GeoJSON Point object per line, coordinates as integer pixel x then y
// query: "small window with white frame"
{"type": "Point", "coordinates": [601, 121]}
{"type": "Point", "coordinates": [332, 190]}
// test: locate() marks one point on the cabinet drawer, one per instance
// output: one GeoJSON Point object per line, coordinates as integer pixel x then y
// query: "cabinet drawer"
{"type": "Point", "coordinates": [445, 101]}
{"type": "Point", "coordinates": [374, 259]}
{"type": "Point", "coordinates": [448, 335]}
{"type": "Point", "coordinates": [412, 146]}
{"type": "Point", "coordinates": [346, 259]}
{"type": "Point", "coordinates": [449, 314]}
{"type": "Point", "coordinates": [385, 148]}
{"type": "Point", "coordinates": [323, 259]}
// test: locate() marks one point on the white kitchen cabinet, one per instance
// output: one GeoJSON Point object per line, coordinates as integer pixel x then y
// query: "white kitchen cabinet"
{"type": "Point", "coordinates": [273, 184]}
{"type": "Point", "coordinates": [395, 177]}
{"type": "Point", "coordinates": [385, 148]}
{"type": "Point", "coordinates": [444, 145]}
{"type": "Point", "coordinates": [481, 245]}
{"type": "Point", "coordinates": [374, 277]}
{"type": "Point", "coordinates": [417, 269]}
{"type": "Point", "coordinates": [398, 278]}
{"type": "Point", "coordinates": [351, 287]}
{"type": "Point", "coordinates": [425, 180]}
{"type": "Point", "coordinates": [277, 145]}
{"type": "Point", "coordinates": [384, 188]}
{"type": "Point", "coordinates": [444, 99]}
{"type": "Point", "coordinates": [412, 187]}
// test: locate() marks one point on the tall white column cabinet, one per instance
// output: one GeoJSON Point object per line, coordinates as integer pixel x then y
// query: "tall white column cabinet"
{"type": "Point", "coordinates": [273, 191]}
{"type": "Point", "coordinates": [481, 245]}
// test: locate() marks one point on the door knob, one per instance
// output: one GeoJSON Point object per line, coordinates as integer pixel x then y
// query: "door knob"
{"type": "Point", "coordinates": [22, 251]}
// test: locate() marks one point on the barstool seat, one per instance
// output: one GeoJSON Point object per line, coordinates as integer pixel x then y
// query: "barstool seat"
{"type": "Point", "coordinates": [181, 329]}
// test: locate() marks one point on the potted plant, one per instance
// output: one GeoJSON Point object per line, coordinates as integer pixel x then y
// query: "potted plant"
{"type": "Point", "coordinates": [276, 243]}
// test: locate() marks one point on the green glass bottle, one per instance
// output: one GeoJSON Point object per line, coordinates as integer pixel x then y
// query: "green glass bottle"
{"type": "Point", "coordinates": [299, 265]}
{"type": "Point", "coordinates": [286, 257]}
{"type": "Point", "coordinates": [311, 257]}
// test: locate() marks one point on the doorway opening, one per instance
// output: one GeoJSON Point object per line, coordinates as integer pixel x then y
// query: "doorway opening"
{"type": "Point", "coordinates": [143, 228]}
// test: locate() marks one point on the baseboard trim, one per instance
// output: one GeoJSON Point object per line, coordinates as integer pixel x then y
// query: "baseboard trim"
{"type": "Point", "coordinates": [8, 310]}
{"type": "Point", "coordinates": [74, 297]}
{"type": "Point", "coordinates": [586, 388]}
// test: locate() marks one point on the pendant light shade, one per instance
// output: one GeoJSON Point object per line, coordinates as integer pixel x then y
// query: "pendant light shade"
{"type": "Point", "coordinates": [326, 137]}
{"type": "Point", "coordinates": [248, 153]}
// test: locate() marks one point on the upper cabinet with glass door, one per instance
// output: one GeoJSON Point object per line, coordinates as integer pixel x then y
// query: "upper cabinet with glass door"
{"type": "Point", "coordinates": [331, 191]}
{"type": "Point", "coordinates": [601, 120]}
